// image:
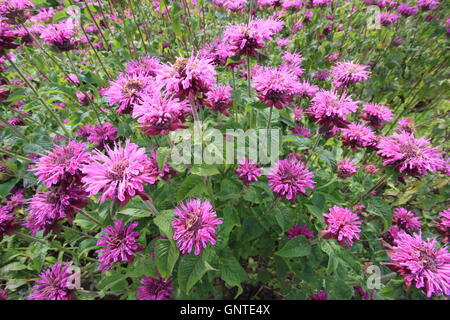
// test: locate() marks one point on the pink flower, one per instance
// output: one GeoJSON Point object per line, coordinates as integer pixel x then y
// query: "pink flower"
{"type": "Point", "coordinates": [195, 226]}
{"type": "Point", "coordinates": [7, 41]}
{"type": "Point", "coordinates": [420, 262]}
{"type": "Point", "coordinates": [276, 86]}
{"type": "Point", "coordinates": [345, 73]}
{"type": "Point", "coordinates": [343, 225]}
{"type": "Point", "coordinates": [7, 224]}
{"type": "Point", "coordinates": [405, 219]}
{"type": "Point", "coordinates": [63, 163]}
{"type": "Point", "coordinates": [120, 174]}
{"type": "Point", "coordinates": [100, 134]}
{"type": "Point", "coordinates": [127, 91]}
{"type": "Point", "coordinates": [358, 135]}
{"type": "Point", "coordinates": [54, 284]}
{"type": "Point", "coordinates": [375, 114]}
{"type": "Point", "coordinates": [371, 168]}
{"type": "Point", "coordinates": [248, 39]}
{"type": "Point", "coordinates": [292, 4]}
{"type": "Point", "coordinates": [297, 231]}
{"type": "Point", "coordinates": [119, 242]}
{"type": "Point", "coordinates": [47, 208]}
{"type": "Point", "coordinates": [330, 110]}
{"type": "Point", "coordinates": [160, 113]}
{"type": "Point", "coordinates": [387, 18]}
{"type": "Point", "coordinates": [220, 99]}
{"type": "Point", "coordinates": [155, 289]}
{"type": "Point", "coordinates": [187, 77]}
{"type": "Point", "coordinates": [301, 131]}
{"type": "Point", "coordinates": [293, 63]}
{"type": "Point", "coordinates": [410, 155]}
{"type": "Point", "coordinates": [248, 171]}
{"type": "Point", "coordinates": [61, 35]}
{"type": "Point", "coordinates": [290, 178]}
{"type": "Point", "coordinates": [405, 10]}
{"type": "Point", "coordinates": [426, 5]}
{"type": "Point", "coordinates": [442, 225]}
{"type": "Point", "coordinates": [148, 66]}
{"type": "Point", "coordinates": [346, 168]}
{"type": "Point", "coordinates": [14, 11]}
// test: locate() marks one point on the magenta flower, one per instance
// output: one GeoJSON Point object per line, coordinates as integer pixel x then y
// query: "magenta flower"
{"type": "Point", "coordinates": [290, 178]}
{"type": "Point", "coordinates": [342, 225]}
{"type": "Point", "coordinates": [426, 5]}
{"type": "Point", "coordinates": [375, 114]}
{"type": "Point", "coordinates": [48, 207]}
{"type": "Point", "coordinates": [442, 225]}
{"type": "Point", "coordinates": [346, 168]}
{"type": "Point", "coordinates": [54, 283]}
{"type": "Point", "coordinates": [329, 110]}
{"type": "Point", "coordinates": [298, 230]}
{"type": "Point", "coordinates": [406, 124]}
{"type": "Point", "coordinates": [276, 86]}
{"type": "Point", "coordinates": [407, 11]}
{"type": "Point", "coordinates": [195, 226]}
{"type": "Point", "coordinates": [358, 135]}
{"type": "Point", "coordinates": [99, 134]}
{"type": "Point", "coordinates": [44, 15]}
{"type": "Point", "coordinates": [61, 35]}
{"type": "Point", "coordinates": [8, 37]}
{"type": "Point", "coordinates": [219, 99]}
{"type": "Point", "coordinates": [62, 164]}
{"type": "Point", "coordinates": [301, 131]}
{"type": "Point", "coordinates": [248, 39]}
{"type": "Point", "coordinates": [405, 219]}
{"type": "Point", "coordinates": [292, 4]}
{"type": "Point", "coordinates": [120, 174]}
{"type": "Point", "coordinates": [14, 11]}
{"type": "Point", "coordinates": [147, 66]}
{"type": "Point", "coordinates": [371, 168]}
{"type": "Point", "coordinates": [127, 91]}
{"type": "Point", "coordinates": [160, 113]}
{"type": "Point", "coordinates": [248, 171]}
{"type": "Point", "coordinates": [187, 77]}
{"type": "Point", "coordinates": [7, 224]}
{"type": "Point", "coordinates": [387, 18]}
{"type": "Point", "coordinates": [307, 89]}
{"type": "Point", "coordinates": [420, 262]}
{"type": "Point", "coordinates": [293, 62]}
{"type": "Point", "coordinates": [119, 243]}
{"type": "Point", "coordinates": [3, 295]}
{"type": "Point", "coordinates": [346, 73]}
{"type": "Point", "coordinates": [410, 155]}
{"type": "Point", "coordinates": [155, 289]}
{"type": "Point", "coordinates": [218, 52]}
{"type": "Point", "coordinates": [320, 295]}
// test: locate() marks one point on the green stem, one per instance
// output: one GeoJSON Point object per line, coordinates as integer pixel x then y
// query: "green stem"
{"type": "Point", "coordinates": [12, 154]}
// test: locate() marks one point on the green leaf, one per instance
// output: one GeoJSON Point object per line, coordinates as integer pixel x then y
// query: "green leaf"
{"type": "Point", "coordinates": [193, 184]}
{"type": "Point", "coordinates": [166, 256]}
{"type": "Point", "coordinates": [135, 212]}
{"type": "Point", "coordinates": [296, 247]}
{"type": "Point", "coordinates": [379, 207]}
{"type": "Point", "coordinates": [164, 223]}
{"type": "Point", "coordinates": [190, 270]}
{"type": "Point", "coordinates": [231, 271]}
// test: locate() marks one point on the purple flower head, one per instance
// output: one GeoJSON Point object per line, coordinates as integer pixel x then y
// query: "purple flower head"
{"type": "Point", "coordinates": [346, 73]}
{"type": "Point", "coordinates": [292, 5]}
{"type": "Point", "coordinates": [48, 207]}
{"type": "Point", "coordinates": [61, 35]}
{"type": "Point", "coordinates": [276, 86]}
{"type": "Point", "coordinates": [8, 37]}
{"type": "Point", "coordinates": [155, 289]}
{"type": "Point", "coordinates": [61, 164]}
{"type": "Point", "coordinates": [290, 178]}
{"type": "Point", "coordinates": [293, 62]}
{"type": "Point", "coordinates": [248, 39]}
{"type": "Point", "coordinates": [14, 11]}
{"type": "Point", "coordinates": [342, 225]}
{"type": "Point", "coordinates": [219, 99]}
{"type": "Point", "coordinates": [346, 168]}
{"type": "Point", "coordinates": [426, 5]}
{"type": "Point", "coordinates": [376, 114]}
{"type": "Point", "coordinates": [442, 225]}
{"type": "Point", "coordinates": [371, 169]}
{"type": "Point", "coordinates": [147, 66]}
{"type": "Point", "coordinates": [407, 11]}
{"type": "Point", "coordinates": [405, 219]}
{"type": "Point", "coordinates": [366, 295]}
{"type": "Point", "coordinates": [298, 114]}
{"type": "Point", "coordinates": [7, 224]}
{"type": "Point", "coordinates": [44, 15]}
{"type": "Point", "coordinates": [410, 155]}
{"type": "Point", "coordinates": [329, 110]}
{"type": "Point", "coordinates": [422, 263]}
{"type": "Point", "coordinates": [358, 135]}
{"type": "Point", "coordinates": [320, 295]}
{"type": "Point", "coordinates": [195, 225]}
{"type": "Point", "coordinates": [187, 77]}
{"type": "Point", "coordinates": [298, 230]}
{"type": "Point", "coordinates": [406, 124]}
{"type": "Point", "coordinates": [387, 18]}
{"type": "Point", "coordinates": [301, 131]}
{"type": "Point", "coordinates": [101, 134]}
{"type": "Point", "coordinates": [120, 173]}
{"type": "Point", "coordinates": [127, 91]}
{"type": "Point", "coordinates": [218, 52]}
{"type": "Point", "coordinates": [284, 42]}
{"type": "Point", "coordinates": [119, 243]}
{"type": "Point", "coordinates": [159, 113]}
{"type": "Point", "coordinates": [322, 75]}
{"type": "Point", "coordinates": [3, 295]}
{"type": "Point", "coordinates": [248, 171]}
{"type": "Point", "coordinates": [54, 283]}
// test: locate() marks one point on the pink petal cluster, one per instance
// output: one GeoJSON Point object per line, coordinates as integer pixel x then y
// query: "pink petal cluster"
{"type": "Point", "coordinates": [422, 263]}
{"type": "Point", "coordinates": [346, 168]}
{"type": "Point", "coordinates": [61, 164]}
{"type": "Point", "coordinates": [248, 171]}
{"type": "Point", "coordinates": [376, 114]}
{"type": "Point", "coordinates": [195, 225]}
{"type": "Point", "coordinates": [120, 173]}
{"type": "Point", "coordinates": [358, 135]}
{"type": "Point", "coordinates": [346, 73]}
{"type": "Point", "coordinates": [119, 243]}
{"type": "Point", "coordinates": [342, 225]}
{"type": "Point", "coordinates": [61, 35]}
{"type": "Point", "coordinates": [290, 178]}
{"type": "Point", "coordinates": [442, 225]}
{"type": "Point", "coordinates": [99, 134]}
{"type": "Point", "coordinates": [155, 289]}
{"type": "Point", "coordinates": [54, 284]}
{"type": "Point", "coordinates": [220, 99]}
{"type": "Point", "coordinates": [405, 219]}
{"type": "Point", "coordinates": [297, 231]}
{"type": "Point", "coordinates": [148, 66]}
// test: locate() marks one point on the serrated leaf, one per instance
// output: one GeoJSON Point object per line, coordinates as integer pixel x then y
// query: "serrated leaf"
{"type": "Point", "coordinates": [166, 256]}
{"type": "Point", "coordinates": [297, 247]}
